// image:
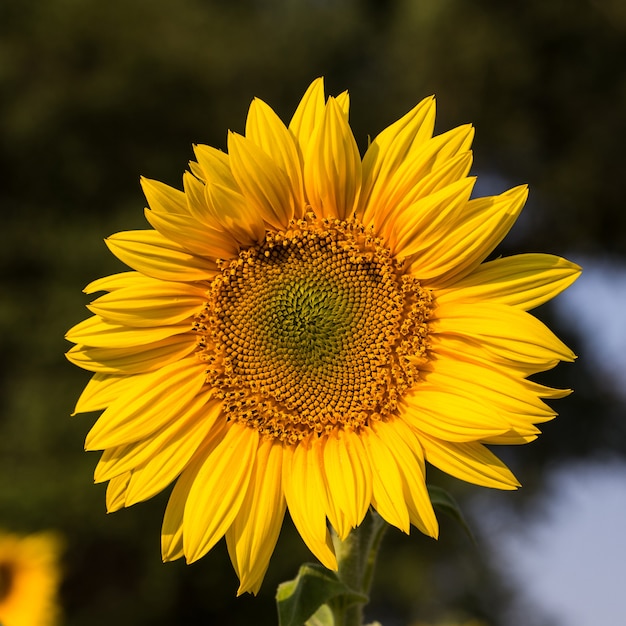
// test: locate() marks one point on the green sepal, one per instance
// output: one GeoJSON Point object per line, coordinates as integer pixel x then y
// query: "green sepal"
{"type": "Point", "coordinates": [445, 503]}
{"type": "Point", "coordinates": [303, 597]}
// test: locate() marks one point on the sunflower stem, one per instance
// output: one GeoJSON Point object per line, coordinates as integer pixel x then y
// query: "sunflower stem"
{"type": "Point", "coordinates": [356, 558]}
{"type": "Point", "coordinates": [377, 529]}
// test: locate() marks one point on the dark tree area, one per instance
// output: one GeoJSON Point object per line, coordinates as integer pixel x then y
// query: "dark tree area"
{"type": "Point", "coordinates": [95, 94]}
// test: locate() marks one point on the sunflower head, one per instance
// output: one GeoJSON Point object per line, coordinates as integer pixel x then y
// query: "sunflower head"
{"type": "Point", "coordinates": [304, 328]}
{"type": "Point", "coordinates": [29, 579]}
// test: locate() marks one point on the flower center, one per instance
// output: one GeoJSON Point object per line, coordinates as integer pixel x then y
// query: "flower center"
{"type": "Point", "coordinates": [312, 330]}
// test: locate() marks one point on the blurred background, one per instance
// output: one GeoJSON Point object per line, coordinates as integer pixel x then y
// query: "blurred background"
{"type": "Point", "coordinates": [94, 94]}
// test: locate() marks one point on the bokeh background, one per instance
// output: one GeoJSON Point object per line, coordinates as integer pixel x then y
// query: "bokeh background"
{"type": "Point", "coordinates": [94, 94]}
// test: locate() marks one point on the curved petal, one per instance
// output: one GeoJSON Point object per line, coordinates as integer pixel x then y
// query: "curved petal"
{"type": "Point", "coordinates": [190, 426]}
{"type": "Point", "coordinates": [332, 166]}
{"type": "Point", "coordinates": [343, 100]}
{"type": "Point", "coordinates": [472, 350]}
{"type": "Point", "coordinates": [161, 469]}
{"type": "Point", "coordinates": [523, 280]}
{"type": "Point", "coordinates": [172, 529]}
{"type": "Point", "coordinates": [308, 115]}
{"type": "Point", "coordinates": [215, 166]}
{"type": "Point", "coordinates": [406, 449]}
{"type": "Point", "coordinates": [451, 417]}
{"type": "Point", "coordinates": [424, 165]}
{"type": "Point", "coordinates": [199, 204]}
{"type": "Point", "coordinates": [116, 492]}
{"type": "Point", "coordinates": [388, 151]}
{"type": "Point", "coordinates": [162, 198]}
{"type": "Point", "coordinates": [305, 492]}
{"type": "Point", "coordinates": [429, 221]}
{"type": "Point", "coordinates": [218, 491]}
{"type": "Point", "coordinates": [348, 477]}
{"type": "Point", "coordinates": [471, 462]}
{"type": "Point", "coordinates": [153, 402]}
{"type": "Point", "coordinates": [152, 254]}
{"type": "Point", "coordinates": [262, 182]}
{"type": "Point", "coordinates": [491, 386]}
{"type": "Point", "coordinates": [132, 279]}
{"type": "Point", "coordinates": [387, 482]}
{"type": "Point", "coordinates": [99, 333]}
{"type": "Point", "coordinates": [235, 215]}
{"type": "Point", "coordinates": [268, 132]}
{"type": "Point", "coordinates": [459, 251]}
{"type": "Point", "coordinates": [503, 330]}
{"type": "Point", "coordinates": [157, 304]}
{"type": "Point", "coordinates": [133, 360]}
{"type": "Point", "coordinates": [254, 532]}
{"type": "Point", "coordinates": [191, 235]}
{"type": "Point", "coordinates": [102, 390]}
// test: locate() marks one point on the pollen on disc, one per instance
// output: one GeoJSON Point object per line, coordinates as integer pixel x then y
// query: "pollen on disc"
{"type": "Point", "coordinates": [313, 330]}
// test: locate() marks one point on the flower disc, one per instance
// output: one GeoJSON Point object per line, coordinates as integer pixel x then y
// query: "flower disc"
{"type": "Point", "coordinates": [311, 330]}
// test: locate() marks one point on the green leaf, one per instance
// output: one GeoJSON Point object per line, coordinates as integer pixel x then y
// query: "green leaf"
{"type": "Point", "coordinates": [301, 598]}
{"type": "Point", "coordinates": [444, 502]}
{"type": "Point", "coordinates": [322, 617]}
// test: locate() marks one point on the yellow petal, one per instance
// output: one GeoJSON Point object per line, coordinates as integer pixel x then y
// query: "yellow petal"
{"type": "Point", "coordinates": [264, 185]}
{"type": "Point", "coordinates": [162, 468]}
{"type": "Point", "coordinates": [503, 330]}
{"type": "Point", "coordinates": [268, 132]}
{"type": "Point", "coordinates": [117, 281]}
{"type": "Point", "coordinates": [116, 492]}
{"type": "Point", "coordinates": [193, 236]}
{"type": "Point", "coordinates": [406, 449]}
{"type": "Point", "coordinates": [460, 250]}
{"type": "Point", "coordinates": [405, 212]}
{"type": "Point", "coordinates": [175, 439]}
{"type": "Point", "coordinates": [308, 115]}
{"type": "Point", "coordinates": [218, 491]}
{"type": "Point", "coordinates": [343, 100]}
{"type": "Point", "coordinates": [153, 402]}
{"type": "Point", "coordinates": [451, 417]}
{"type": "Point", "coordinates": [235, 215]}
{"type": "Point", "coordinates": [199, 204]}
{"type": "Point", "coordinates": [523, 280]}
{"type": "Point", "coordinates": [254, 532]}
{"type": "Point", "coordinates": [490, 386]}
{"type": "Point", "coordinates": [471, 350]}
{"type": "Point", "coordinates": [305, 492]}
{"type": "Point", "coordinates": [196, 171]}
{"type": "Point", "coordinates": [387, 482]}
{"type": "Point", "coordinates": [133, 360]}
{"type": "Point", "coordinates": [348, 477]}
{"type": "Point", "coordinates": [157, 304]}
{"type": "Point", "coordinates": [215, 165]}
{"type": "Point", "coordinates": [150, 253]}
{"type": "Point", "coordinates": [388, 151]}
{"type": "Point", "coordinates": [406, 184]}
{"type": "Point", "coordinates": [428, 221]}
{"type": "Point", "coordinates": [103, 389]}
{"type": "Point", "coordinates": [172, 530]}
{"type": "Point", "coordinates": [471, 462]}
{"type": "Point", "coordinates": [162, 198]}
{"type": "Point", "coordinates": [98, 333]}
{"type": "Point", "coordinates": [332, 166]}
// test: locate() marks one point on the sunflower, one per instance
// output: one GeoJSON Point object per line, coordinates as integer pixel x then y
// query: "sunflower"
{"type": "Point", "coordinates": [29, 579]}
{"type": "Point", "coordinates": [304, 329]}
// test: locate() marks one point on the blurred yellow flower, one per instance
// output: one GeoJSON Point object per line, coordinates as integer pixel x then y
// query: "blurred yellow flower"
{"type": "Point", "coordinates": [29, 579]}
{"type": "Point", "coordinates": [304, 328]}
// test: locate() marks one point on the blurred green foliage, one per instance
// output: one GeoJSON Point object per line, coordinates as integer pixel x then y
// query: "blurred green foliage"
{"type": "Point", "coordinates": [94, 94]}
